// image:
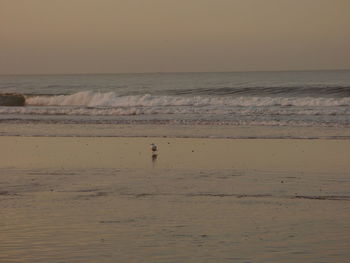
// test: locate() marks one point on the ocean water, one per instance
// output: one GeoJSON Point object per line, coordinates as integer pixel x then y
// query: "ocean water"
{"type": "Point", "coordinates": [274, 99]}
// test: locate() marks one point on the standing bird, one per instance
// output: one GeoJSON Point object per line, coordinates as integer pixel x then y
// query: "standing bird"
{"type": "Point", "coordinates": [154, 148]}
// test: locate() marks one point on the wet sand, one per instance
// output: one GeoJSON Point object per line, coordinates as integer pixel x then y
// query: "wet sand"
{"type": "Point", "coordinates": [200, 200]}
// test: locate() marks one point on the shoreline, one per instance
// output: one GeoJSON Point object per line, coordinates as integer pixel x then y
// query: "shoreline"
{"type": "Point", "coordinates": [91, 130]}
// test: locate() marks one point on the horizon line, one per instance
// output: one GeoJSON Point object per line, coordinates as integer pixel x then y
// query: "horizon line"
{"type": "Point", "coordinates": [170, 72]}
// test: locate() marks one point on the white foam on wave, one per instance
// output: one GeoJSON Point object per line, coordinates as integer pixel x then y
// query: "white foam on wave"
{"type": "Point", "coordinates": [111, 99]}
{"type": "Point", "coordinates": [177, 110]}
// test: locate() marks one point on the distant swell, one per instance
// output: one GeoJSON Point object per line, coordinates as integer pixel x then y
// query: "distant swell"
{"type": "Point", "coordinates": [111, 99]}
{"type": "Point", "coordinates": [311, 91]}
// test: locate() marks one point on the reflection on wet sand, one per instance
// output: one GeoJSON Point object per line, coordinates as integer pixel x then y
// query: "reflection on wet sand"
{"type": "Point", "coordinates": [110, 204]}
{"type": "Point", "coordinates": [154, 158]}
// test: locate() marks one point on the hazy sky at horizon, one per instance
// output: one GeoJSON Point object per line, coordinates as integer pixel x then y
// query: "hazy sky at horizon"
{"type": "Point", "coordinates": [116, 36]}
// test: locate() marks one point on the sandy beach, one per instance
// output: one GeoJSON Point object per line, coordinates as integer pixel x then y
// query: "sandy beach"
{"type": "Point", "coordinates": [67, 199]}
{"type": "Point", "coordinates": [294, 156]}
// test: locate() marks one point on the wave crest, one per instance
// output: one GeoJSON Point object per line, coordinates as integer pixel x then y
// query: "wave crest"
{"type": "Point", "coordinates": [111, 99]}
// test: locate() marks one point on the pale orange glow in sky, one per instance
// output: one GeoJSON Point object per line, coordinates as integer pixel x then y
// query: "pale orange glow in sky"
{"type": "Point", "coordinates": [112, 36]}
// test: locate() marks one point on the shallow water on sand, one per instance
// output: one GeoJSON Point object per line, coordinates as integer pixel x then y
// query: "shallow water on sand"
{"type": "Point", "coordinates": [173, 215]}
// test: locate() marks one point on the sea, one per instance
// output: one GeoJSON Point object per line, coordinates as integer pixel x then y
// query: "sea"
{"type": "Point", "coordinates": [289, 99]}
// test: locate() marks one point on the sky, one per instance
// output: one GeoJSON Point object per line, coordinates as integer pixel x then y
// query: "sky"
{"type": "Point", "coordinates": [129, 36]}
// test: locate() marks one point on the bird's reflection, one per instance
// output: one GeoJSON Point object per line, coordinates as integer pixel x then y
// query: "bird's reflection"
{"type": "Point", "coordinates": [154, 158]}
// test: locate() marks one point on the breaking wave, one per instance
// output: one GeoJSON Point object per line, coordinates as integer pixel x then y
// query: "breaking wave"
{"type": "Point", "coordinates": [88, 106]}
{"type": "Point", "coordinates": [111, 99]}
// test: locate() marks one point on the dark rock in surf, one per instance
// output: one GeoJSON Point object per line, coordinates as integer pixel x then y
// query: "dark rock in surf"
{"type": "Point", "coordinates": [8, 99]}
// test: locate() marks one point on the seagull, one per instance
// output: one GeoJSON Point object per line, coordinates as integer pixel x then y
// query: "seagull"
{"type": "Point", "coordinates": [154, 148]}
